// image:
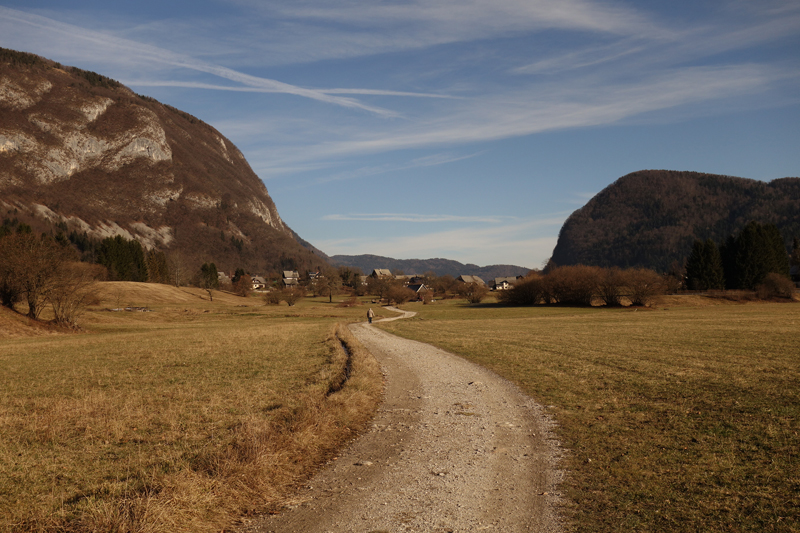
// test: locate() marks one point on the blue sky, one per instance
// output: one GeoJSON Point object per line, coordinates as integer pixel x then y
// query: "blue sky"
{"type": "Point", "coordinates": [465, 129]}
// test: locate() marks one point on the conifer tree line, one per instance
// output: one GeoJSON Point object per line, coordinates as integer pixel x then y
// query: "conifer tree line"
{"type": "Point", "coordinates": [742, 262]}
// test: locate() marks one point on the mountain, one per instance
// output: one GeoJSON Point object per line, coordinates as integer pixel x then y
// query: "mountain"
{"type": "Point", "coordinates": [652, 217]}
{"type": "Point", "coordinates": [367, 263]}
{"type": "Point", "coordinates": [83, 153]}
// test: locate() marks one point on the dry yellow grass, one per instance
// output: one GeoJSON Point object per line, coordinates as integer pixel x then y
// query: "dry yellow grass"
{"type": "Point", "coordinates": [678, 418]}
{"type": "Point", "coordinates": [182, 418]}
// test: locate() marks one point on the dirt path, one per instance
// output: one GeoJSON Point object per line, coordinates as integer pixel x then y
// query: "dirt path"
{"type": "Point", "coordinates": [453, 448]}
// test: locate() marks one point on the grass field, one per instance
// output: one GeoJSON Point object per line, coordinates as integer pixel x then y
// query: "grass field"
{"type": "Point", "coordinates": [684, 417]}
{"type": "Point", "coordinates": [177, 419]}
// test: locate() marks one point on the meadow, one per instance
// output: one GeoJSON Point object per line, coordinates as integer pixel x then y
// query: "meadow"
{"type": "Point", "coordinates": [180, 418]}
{"type": "Point", "coordinates": [680, 417]}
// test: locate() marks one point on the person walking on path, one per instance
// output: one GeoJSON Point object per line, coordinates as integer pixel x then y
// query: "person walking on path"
{"type": "Point", "coordinates": [370, 315]}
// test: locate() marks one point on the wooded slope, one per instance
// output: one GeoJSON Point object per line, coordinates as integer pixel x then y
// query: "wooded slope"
{"type": "Point", "coordinates": [651, 218]}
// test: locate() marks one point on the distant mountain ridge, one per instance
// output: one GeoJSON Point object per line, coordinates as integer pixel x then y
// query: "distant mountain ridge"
{"type": "Point", "coordinates": [651, 218]}
{"type": "Point", "coordinates": [367, 263]}
{"type": "Point", "coordinates": [86, 154]}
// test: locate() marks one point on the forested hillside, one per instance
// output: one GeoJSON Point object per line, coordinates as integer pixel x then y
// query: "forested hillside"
{"type": "Point", "coordinates": [651, 218]}
{"type": "Point", "coordinates": [440, 267]}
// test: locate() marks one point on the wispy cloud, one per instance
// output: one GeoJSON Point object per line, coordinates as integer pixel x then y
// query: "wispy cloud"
{"type": "Point", "coordinates": [553, 107]}
{"type": "Point", "coordinates": [525, 243]}
{"type": "Point", "coordinates": [426, 161]}
{"type": "Point", "coordinates": [107, 46]}
{"type": "Point", "coordinates": [274, 89]}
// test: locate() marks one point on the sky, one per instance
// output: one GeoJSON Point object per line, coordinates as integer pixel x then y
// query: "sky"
{"type": "Point", "coordinates": [462, 129]}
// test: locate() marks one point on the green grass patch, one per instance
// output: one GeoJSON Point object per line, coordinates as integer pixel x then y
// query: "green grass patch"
{"type": "Point", "coordinates": [680, 419]}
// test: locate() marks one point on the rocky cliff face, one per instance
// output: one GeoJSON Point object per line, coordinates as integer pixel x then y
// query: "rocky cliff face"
{"type": "Point", "coordinates": [84, 152]}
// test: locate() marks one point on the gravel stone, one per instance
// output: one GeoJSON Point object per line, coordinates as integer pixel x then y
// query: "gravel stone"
{"type": "Point", "coordinates": [453, 447]}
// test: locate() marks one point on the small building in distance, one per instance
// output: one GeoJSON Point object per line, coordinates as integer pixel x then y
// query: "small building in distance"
{"type": "Point", "coordinates": [419, 289]}
{"type": "Point", "coordinates": [470, 279]}
{"type": "Point", "coordinates": [380, 273]}
{"type": "Point", "coordinates": [502, 284]}
{"type": "Point", "coordinates": [291, 278]}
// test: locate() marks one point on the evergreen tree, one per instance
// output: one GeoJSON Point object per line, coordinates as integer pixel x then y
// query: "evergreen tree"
{"type": "Point", "coordinates": [695, 267]}
{"type": "Point", "coordinates": [124, 259]}
{"type": "Point", "coordinates": [728, 253]}
{"type": "Point", "coordinates": [157, 268]}
{"type": "Point", "coordinates": [757, 251]}
{"type": "Point", "coordinates": [239, 274]}
{"type": "Point", "coordinates": [704, 267]}
{"type": "Point", "coordinates": [209, 277]}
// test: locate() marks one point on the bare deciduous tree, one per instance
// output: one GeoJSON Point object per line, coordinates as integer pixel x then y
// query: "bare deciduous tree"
{"type": "Point", "coordinates": [643, 285]}
{"type": "Point", "coordinates": [72, 289]}
{"type": "Point", "coordinates": [473, 292]}
{"type": "Point", "coordinates": [293, 295]}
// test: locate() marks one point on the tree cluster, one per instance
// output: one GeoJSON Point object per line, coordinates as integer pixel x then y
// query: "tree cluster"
{"type": "Point", "coordinates": [38, 271]}
{"type": "Point", "coordinates": [584, 285]}
{"type": "Point", "coordinates": [743, 262]}
{"type": "Point", "coordinates": [124, 259]}
{"type": "Point", "coordinates": [290, 295]}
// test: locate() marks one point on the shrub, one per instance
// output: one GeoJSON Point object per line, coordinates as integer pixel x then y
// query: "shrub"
{"type": "Point", "coordinates": [291, 296]}
{"type": "Point", "coordinates": [609, 286]}
{"type": "Point", "coordinates": [399, 295]}
{"type": "Point", "coordinates": [272, 297]}
{"type": "Point", "coordinates": [574, 285]}
{"type": "Point", "coordinates": [72, 290]}
{"type": "Point", "coordinates": [473, 292]}
{"type": "Point", "coordinates": [775, 286]}
{"type": "Point", "coordinates": [528, 291]}
{"type": "Point", "coordinates": [643, 285]}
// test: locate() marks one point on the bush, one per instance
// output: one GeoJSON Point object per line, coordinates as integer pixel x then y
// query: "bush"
{"type": "Point", "coordinates": [473, 292]}
{"type": "Point", "coordinates": [643, 285]}
{"type": "Point", "coordinates": [291, 296]}
{"type": "Point", "coordinates": [574, 285]}
{"type": "Point", "coordinates": [272, 297]}
{"type": "Point", "coordinates": [399, 295]}
{"type": "Point", "coordinates": [72, 290]}
{"type": "Point", "coordinates": [609, 286]}
{"type": "Point", "coordinates": [775, 286]}
{"type": "Point", "coordinates": [528, 291]}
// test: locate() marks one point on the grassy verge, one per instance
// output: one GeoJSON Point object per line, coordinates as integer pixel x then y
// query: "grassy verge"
{"type": "Point", "coordinates": [182, 418]}
{"type": "Point", "coordinates": [679, 419]}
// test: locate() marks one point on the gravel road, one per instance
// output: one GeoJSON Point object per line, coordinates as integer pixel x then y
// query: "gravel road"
{"type": "Point", "coordinates": [453, 448]}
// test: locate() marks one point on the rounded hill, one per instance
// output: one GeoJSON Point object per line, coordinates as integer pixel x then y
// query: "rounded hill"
{"type": "Point", "coordinates": [651, 218]}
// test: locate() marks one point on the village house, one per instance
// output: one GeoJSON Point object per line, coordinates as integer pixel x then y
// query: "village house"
{"type": "Point", "coordinates": [291, 278]}
{"type": "Point", "coordinates": [470, 279]}
{"type": "Point", "coordinates": [419, 289]}
{"type": "Point", "coordinates": [502, 284]}
{"type": "Point", "coordinates": [408, 279]}
{"type": "Point", "coordinates": [258, 283]}
{"type": "Point", "coordinates": [381, 273]}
